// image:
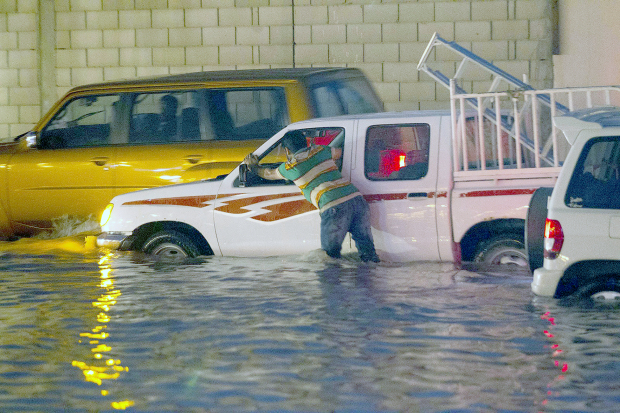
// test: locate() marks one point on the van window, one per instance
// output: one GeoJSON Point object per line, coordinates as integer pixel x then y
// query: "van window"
{"type": "Point", "coordinates": [83, 122]}
{"type": "Point", "coordinates": [397, 152]}
{"type": "Point", "coordinates": [340, 97]}
{"type": "Point", "coordinates": [596, 179]}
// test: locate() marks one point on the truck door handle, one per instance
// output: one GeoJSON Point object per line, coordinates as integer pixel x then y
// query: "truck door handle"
{"type": "Point", "coordinates": [193, 158]}
{"type": "Point", "coordinates": [417, 195]}
{"type": "Point", "coordinates": [100, 160]}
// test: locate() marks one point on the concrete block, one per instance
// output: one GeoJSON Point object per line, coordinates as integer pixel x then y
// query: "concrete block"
{"type": "Point", "coordinates": [27, 40]}
{"type": "Point", "coordinates": [416, 12]}
{"type": "Point", "coordinates": [412, 51]}
{"type": "Point", "coordinates": [280, 35]}
{"type": "Point", "coordinates": [491, 50]}
{"type": "Point", "coordinates": [203, 55]}
{"type": "Point", "coordinates": [63, 77]}
{"type": "Point", "coordinates": [116, 4]}
{"type": "Point", "coordinates": [184, 69]}
{"type": "Point", "coordinates": [445, 54]}
{"type": "Point", "coordinates": [346, 53]}
{"type": "Point", "coordinates": [388, 92]}
{"type": "Point", "coordinates": [184, 4]}
{"type": "Point", "coordinates": [151, 71]}
{"type": "Point", "coordinates": [8, 6]}
{"type": "Point", "coordinates": [9, 114]}
{"type": "Point", "coordinates": [275, 16]}
{"type": "Point", "coordinates": [61, 91]}
{"type": "Point", "coordinates": [29, 114]}
{"type": "Point", "coordinates": [168, 56]}
{"type": "Point", "coordinates": [118, 73]}
{"type": "Point", "coordinates": [526, 49]}
{"type": "Point", "coordinates": [151, 4]}
{"type": "Point", "coordinates": [517, 68]}
{"type": "Point", "coordinates": [373, 71]}
{"type": "Point", "coordinates": [151, 37]}
{"type": "Point", "coordinates": [101, 20]}
{"type": "Point", "coordinates": [472, 31]}
{"type": "Point", "coordinates": [85, 5]}
{"type": "Point", "coordinates": [28, 77]}
{"type": "Point", "coordinates": [303, 34]}
{"type": "Point", "coordinates": [3, 22]}
{"type": "Point", "coordinates": [185, 37]}
{"type": "Point", "coordinates": [452, 11]}
{"type": "Point", "coordinates": [363, 33]}
{"type": "Point", "coordinates": [329, 33]}
{"type": "Point", "coordinates": [400, 72]}
{"type": "Point", "coordinates": [136, 56]}
{"type": "Point", "coordinates": [381, 52]}
{"type": "Point", "coordinates": [531, 9]}
{"type": "Point", "coordinates": [83, 39]}
{"type": "Point", "coordinates": [9, 77]}
{"type": "Point", "coordinates": [310, 15]}
{"type": "Point", "coordinates": [235, 17]}
{"type": "Point", "coordinates": [252, 35]}
{"type": "Point", "coordinates": [489, 10]}
{"type": "Point", "coordinates": [434, 105]}
{"type": "Point", "coordinates": [27, 6]}
{"type": "Point", "coordinates": [540, 29]}
{"type": "Point", "coordinates": [380, 13]}
{"type": "Point", "coordinates": [346, 14]}
{"type": "Point", "coordinates": [4, 59]}
{"type": "Point", "coordinates": [63, 39]}
{"type": "Point", "coordinates": [134, 19]}
{"type": "Point", "coordinates": [8, 40]}
{"type": "Point", "coordinates": [399, 32]}
{"type": "Point", "coordinates": [119, 38]}
{"type": "Point", "coordinates": [102, 57]}
{"type": "Point", "coordinates": [311, 54]}
{"type": "Point", "coordinates": [426, 31]}
{"type": "Point", "coordinates": [70, 21]}
{"type": "Point", "coordinates": [168, 19]}
{"type": "Point", "coordinates": [200, 17]}
{"type": "Point", "coordinates": [276, 55]}
{"type": "Point", "coordinates": [417, 91]}
{"type": "Point", "coordinates": [509, 30]}
{"type": "Point", "coordinates": [236, 55]}
{"type": "Point", "coordinates": [4, 96]}
{"type": "Point", "coordinates": [218, 36]}
{"type": "Point", "coordinates": [22, 59]}
{"type": "Point", "coordinates": [84, 76]}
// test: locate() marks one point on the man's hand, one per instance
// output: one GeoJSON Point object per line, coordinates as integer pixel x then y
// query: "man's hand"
{"type": "Point", "coordinates": [251, 160]}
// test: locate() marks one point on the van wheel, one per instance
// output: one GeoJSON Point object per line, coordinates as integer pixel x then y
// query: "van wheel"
{"type": "Point", "coordinates": [535, 227]}
{"type": "Point", "coordinates": [502, 250]}
{"type": "Point", "coordinates": [604, 291]}
{"type": "Point", "coordinates": [170, 245]}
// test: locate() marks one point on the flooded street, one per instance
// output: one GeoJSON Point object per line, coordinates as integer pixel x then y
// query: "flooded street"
{"type": "Point", "coordinates": [83, 329]}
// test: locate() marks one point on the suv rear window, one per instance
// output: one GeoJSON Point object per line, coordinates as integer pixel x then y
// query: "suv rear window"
{"type": "Point", "coordinates": [344, 97]}
{"type": "Point", "coordinates": [596, 179]}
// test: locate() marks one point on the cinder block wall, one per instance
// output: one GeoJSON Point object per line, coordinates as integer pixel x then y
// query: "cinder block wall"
{"type": "Point", "coordinates": [100, 40]}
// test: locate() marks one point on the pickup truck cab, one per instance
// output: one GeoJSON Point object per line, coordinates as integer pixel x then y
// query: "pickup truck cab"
{"type": "Point", "coordinates": [106, 139]}
{"type": "Point", "coordinates": [400, 161]}
{"type": "Point", "coordinates": [582, 228]}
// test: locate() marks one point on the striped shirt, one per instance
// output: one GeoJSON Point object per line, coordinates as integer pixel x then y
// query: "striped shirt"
{"type": "Point", "coordinates": [314, 171]}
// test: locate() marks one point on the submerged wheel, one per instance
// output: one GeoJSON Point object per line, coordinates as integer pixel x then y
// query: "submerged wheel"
{"type": "Point", "coordinates": [604, 291]}
{"type": "Point", "coordinates": [502, 250]}
{"type": "Point", "coordinates": [171, 245]}
{"type": "Point", "coordinates": [535, 227]}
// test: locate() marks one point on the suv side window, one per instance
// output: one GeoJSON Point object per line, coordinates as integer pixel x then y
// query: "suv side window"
{"type": "Point", "coordinates": [344, 97]}
{"type": "Point", "coordinates": [83, 122]}
{"type": "Point", "coordinates": [397, 152]}
{"type": "Point", "coordinates": [595, 182]}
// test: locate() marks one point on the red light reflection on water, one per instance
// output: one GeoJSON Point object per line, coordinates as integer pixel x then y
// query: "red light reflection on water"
{"type": "Point", "coordinates": [557, 352]}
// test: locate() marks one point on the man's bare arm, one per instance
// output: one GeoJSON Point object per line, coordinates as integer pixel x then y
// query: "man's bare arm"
{"type": "Point", "coordinates": [270, 174]}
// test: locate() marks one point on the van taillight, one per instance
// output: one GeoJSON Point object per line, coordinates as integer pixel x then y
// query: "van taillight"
{"type": "Point", "coordinates": [554, 238]}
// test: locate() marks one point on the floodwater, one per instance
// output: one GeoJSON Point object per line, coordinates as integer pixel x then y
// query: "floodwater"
{"type": "Point", "coordinates": [88, 330]}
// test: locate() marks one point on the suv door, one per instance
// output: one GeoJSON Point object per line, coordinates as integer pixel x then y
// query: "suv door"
{"type": "Point", "coordinates": [396, 172]}
{"type": "Point", "coordinates": [73, 160]}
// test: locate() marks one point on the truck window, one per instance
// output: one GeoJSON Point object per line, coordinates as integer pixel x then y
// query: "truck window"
{"type": "Point", "coordinates": [82, 122]}
{"type": "Point", "coordinates": [343, 97]}
{"type": "Point", "coordinates": [397, 152]}
{"type": "Point", "coordinates": [595, 182]}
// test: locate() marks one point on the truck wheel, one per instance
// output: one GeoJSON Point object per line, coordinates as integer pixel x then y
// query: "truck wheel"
{"type": "Point", "coordinates": [502, 250]}
{"type": "Point", "coordinates": [535, 227]}
{"type": "Point", "coordinates": [604, 291]}
{"type": "Point", "coordinates": [170, 245]}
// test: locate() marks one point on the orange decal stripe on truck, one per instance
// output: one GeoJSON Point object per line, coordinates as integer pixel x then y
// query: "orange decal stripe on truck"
{"type": "Point", "coordinates": [384, 197]}
{"type": "Point", "coordinates": [285, 210]}
{"type": "Point", "coordinates": [497, 192]}
{"type": "Point", "coordinates": [238, 206]}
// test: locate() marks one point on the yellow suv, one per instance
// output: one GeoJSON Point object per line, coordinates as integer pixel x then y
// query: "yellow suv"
{"type": "Point", "coordinates": [106, 139]}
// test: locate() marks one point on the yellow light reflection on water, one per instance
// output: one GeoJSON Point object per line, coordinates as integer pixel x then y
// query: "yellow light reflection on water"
{"type": "Point", "coordinates": [111, 368]}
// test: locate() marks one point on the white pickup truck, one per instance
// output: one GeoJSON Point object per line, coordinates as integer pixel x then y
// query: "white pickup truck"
{"type": "Point", "coordinates": [451, 185]}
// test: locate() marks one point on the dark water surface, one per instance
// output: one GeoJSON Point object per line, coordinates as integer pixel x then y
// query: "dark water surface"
{"type": "Point", "coordinates": [82, 329]}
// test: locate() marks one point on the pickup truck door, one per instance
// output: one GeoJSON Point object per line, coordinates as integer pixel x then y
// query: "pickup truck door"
{"type": "Point", "coordinates": [395, 167]}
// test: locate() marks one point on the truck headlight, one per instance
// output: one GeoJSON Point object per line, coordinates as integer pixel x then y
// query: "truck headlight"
{"type": "Point", "coordinates": [105, 216]}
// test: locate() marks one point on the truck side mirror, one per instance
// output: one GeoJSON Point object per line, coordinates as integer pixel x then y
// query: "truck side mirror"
{"type": "Point", "coordinates": [243, 175]}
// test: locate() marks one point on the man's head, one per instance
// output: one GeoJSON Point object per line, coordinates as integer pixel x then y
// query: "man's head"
{"type": "Point", "coordinates": [294, 141]}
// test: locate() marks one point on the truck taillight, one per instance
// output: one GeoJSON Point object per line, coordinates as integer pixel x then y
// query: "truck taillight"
{"type": "Point", "coordinates": [554, 238]}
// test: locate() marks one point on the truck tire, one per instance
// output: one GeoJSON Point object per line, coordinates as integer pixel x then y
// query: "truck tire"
{"type": "Point", "coordinates": [606, 290]}
{"type": "Point", "coordinates": [535, 227]}
{"type": "Point", "coordinates": [171, 245]}
{"type": "Point", "coordinates": [506, 249]}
